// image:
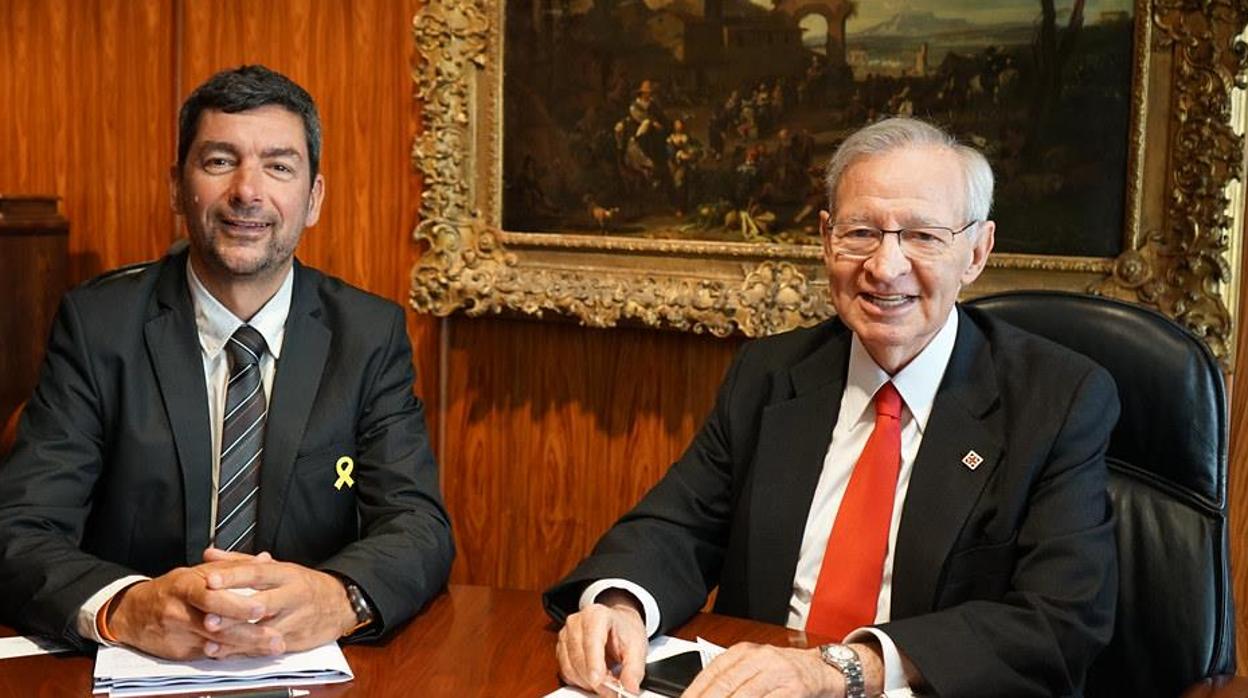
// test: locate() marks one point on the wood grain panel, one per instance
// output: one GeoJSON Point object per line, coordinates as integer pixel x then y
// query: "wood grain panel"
{"type": "Point", "coordinates": [86, 88]}
{"type": "Point", "coordinates": [554, 430]}
{"type": "Point", "coordinates": [32, 255]}
{"type": "Point", "coordinates": [1238, 479]}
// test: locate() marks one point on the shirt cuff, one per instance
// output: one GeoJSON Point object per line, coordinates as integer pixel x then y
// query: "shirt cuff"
{"type": "Point", "coordinates": [649, 607]}
{"type": "Point", "coordinates": [91, 607]}
{"type": "Point", "coordinates": [895, 685]}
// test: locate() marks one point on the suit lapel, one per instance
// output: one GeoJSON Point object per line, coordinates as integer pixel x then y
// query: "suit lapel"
{"type": "Point", "coordinates": [304, 352]}
{"type": "Point", "coordinates": [942, 489]}
{"type": "Point", "coordinates": [793, 438]}
{"type": "Point", "coordinates": [173, 348]}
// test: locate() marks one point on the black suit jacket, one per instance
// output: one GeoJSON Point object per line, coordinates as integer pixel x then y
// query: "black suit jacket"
{"type": "Point", "coordinates": [112, 475]}
{"type": "Point", "coordinates": [1004, 577]}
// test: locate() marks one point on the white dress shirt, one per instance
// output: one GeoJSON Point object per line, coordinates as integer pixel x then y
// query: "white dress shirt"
{"type": "Point", "coordinates": [917, 383]}
{"type": "Point", "coordinates": [215, 324]}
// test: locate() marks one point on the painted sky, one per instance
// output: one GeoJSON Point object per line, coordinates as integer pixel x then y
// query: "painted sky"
{"type": "Point", "coordinates": [873, 12]}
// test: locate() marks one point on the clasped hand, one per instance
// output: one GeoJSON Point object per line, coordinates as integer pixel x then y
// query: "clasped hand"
{"type": "Point", "coordinates": [193, 612]}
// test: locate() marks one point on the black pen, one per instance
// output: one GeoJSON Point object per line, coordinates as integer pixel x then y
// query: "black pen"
{"type": "Point", "coordinates": [266, 693]}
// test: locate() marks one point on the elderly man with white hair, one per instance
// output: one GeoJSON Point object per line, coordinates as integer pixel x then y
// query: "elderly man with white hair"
{"type": "Point", "coordinates": [913, 477]}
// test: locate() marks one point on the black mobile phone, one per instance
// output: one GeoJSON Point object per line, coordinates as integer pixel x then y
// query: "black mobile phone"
{"type": "Point", "coordinates": [672, 675]}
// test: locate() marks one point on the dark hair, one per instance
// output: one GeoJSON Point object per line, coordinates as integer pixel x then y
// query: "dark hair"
{"type": "Point", "coordinates": [249, 87]}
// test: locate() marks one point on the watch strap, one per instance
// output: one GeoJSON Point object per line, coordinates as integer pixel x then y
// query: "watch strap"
{"type": "Point", "coordinates": [845, 660]}
{"type": "Point", "coordinates": [359, 604]}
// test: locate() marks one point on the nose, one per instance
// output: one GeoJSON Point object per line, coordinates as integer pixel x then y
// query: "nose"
{"type": "Point", "coordinates": [245, 187]}
{"type": "Point", "coordinates": [888, 261]}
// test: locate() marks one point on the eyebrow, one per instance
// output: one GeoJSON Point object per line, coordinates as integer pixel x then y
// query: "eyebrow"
{"type": "Point", "coordinates": [207, 146]}
{"type": "Point", "coordinates": [911, 220]}
{"type": "Point", "coordinates": [922, 221]}
{"type": "Point", "coordinates": [281, 153]}
{"type": "Point", "coordinates": [275, 152]}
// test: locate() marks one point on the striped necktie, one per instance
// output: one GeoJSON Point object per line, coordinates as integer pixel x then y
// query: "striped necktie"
{"type": "Point", "coordinates": [242, 443]}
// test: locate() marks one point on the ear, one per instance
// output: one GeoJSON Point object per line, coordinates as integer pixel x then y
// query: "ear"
{"type": "Point", "coordinates": [314, 201]}
{"type": "Point", "coordinates": [979, 252]}
{"type": "Point", "coordinates": [825, 235]}
{"type": "Point", "coordinates": [175, 193]}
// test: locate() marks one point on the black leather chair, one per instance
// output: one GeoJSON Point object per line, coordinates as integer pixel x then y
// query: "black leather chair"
{"type": "Point", "coordinates": [1167, 461]}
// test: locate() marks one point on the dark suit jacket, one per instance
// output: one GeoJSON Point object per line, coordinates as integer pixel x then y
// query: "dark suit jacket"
{"type": "Point", "coordinates": [1004, 576]}
{"type": "Point", "coordinates": [112, 475]}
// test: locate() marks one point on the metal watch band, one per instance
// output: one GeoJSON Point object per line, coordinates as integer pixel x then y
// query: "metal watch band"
{"type": "Point", "coordinates": [845, 660]}
{"type": "Point", "coordinates": [363, 614]}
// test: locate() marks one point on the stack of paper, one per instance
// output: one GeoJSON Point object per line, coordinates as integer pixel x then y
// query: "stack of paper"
{"type": "Point", "coordinates": [120, 671]}
{"type": "Point", "coordinates": [27, 645]}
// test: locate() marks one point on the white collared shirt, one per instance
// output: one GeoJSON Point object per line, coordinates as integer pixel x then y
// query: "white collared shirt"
{"type": "Point", "coordinates": [917, 383]}
{"type": "Point", "coordinates": [214, 324]}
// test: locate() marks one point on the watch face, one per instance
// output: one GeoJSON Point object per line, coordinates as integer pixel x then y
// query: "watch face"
{"type": "Point", "coordinates": [842, 653]}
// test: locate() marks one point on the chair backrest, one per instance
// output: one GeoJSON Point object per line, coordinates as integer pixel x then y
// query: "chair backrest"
{"type": "Point", "coordinates": [1167, 462]}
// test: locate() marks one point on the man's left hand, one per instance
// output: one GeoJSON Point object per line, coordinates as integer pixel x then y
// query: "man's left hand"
{"type": "Point", "coordinates": [763, 670]}
{"type": "Point", "coordinates": [306, 606]}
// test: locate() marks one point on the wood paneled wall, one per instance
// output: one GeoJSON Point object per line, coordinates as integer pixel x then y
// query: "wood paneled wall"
{"type": "Point", "coordinates": [1238, 476]}
{"type": "Point", "coordinates": [554, 430]}
{"type": "Point", "coordinates": [549, 431]}
{"type": "Point", "coordinates": [86, 113]}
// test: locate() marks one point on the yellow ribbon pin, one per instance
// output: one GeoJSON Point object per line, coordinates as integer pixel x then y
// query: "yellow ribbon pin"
{"type": "Point", "coordinates": [344, 466]}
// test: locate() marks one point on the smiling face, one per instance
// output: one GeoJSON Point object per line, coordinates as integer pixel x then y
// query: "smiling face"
{"type": "Point", "coordinates": [893, 304]}
{"type": "Point", "coordinates": [246, 191]}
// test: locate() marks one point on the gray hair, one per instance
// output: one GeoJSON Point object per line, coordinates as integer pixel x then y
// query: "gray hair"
{"type": "Point", "coordinates": [903, 132]}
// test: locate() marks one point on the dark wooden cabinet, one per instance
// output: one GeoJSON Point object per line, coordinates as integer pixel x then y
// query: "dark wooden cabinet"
{"type": "Point", "coordinates": [33, 275]}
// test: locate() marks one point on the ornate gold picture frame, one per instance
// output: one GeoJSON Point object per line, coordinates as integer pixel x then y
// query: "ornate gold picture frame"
{"type": "Point", "coordinates": [1183, 213]}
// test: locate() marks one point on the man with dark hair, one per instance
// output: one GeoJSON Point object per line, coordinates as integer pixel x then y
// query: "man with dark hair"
{"type": "Point", "coordinates": [915, 480]}
{"type": "Point", "coordinates": [223, 455]}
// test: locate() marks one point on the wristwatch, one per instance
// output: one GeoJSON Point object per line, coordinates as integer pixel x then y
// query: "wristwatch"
{"type": "Point", "coordinates": [846, 661]}
{"type": "Point", "coordinates": [359, 604]}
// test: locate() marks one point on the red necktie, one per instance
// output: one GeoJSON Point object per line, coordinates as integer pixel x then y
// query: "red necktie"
{"type": "Point", "coordinates": [848, 589]}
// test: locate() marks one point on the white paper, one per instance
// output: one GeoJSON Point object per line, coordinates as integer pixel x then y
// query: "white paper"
{"type": "Point", "coordinates": [25, 646]}
{"type": "Point", "coordinates": [121, 671]}
{"type": "Point", "coordinates": [709, 650]}
{"type": "Point", "coordinates": [661, 647]}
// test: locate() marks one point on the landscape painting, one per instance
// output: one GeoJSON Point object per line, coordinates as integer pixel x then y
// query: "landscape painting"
{"type": "Point", "coordinates": [711, 120]}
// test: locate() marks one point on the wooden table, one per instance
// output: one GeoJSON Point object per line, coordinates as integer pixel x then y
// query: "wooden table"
{"type": "Point", "coordinates": [1221, 687]}
{"type": "Point", "coordinates": [470, 641]}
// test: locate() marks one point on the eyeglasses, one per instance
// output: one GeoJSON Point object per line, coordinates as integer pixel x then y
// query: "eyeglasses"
{"type": "Point", "coordinates": [928, 242]}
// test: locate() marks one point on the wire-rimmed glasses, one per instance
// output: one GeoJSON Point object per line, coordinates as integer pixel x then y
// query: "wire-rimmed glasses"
{"type": "Point", "coordinates": [927, 242]}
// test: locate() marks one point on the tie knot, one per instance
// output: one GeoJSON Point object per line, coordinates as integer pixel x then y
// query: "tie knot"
{"type": "Point", "coordinates": [888, 401]}
{"type": "Point", "coordinates": [246, 346]}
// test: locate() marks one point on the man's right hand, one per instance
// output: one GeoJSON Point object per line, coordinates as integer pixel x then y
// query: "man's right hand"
{"type": "Point", "coordinates": [610, 631]}
{"type": "Point", "coordinates": [165, 616]}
